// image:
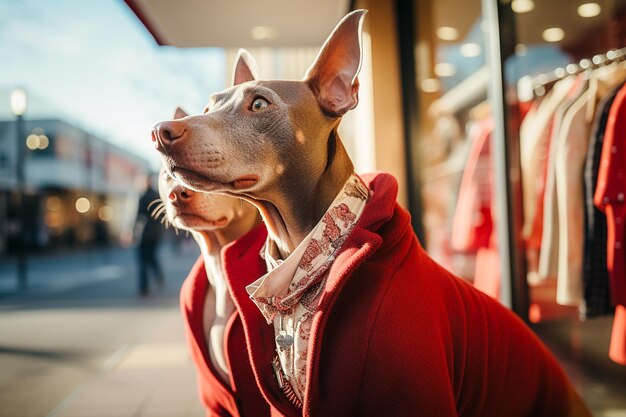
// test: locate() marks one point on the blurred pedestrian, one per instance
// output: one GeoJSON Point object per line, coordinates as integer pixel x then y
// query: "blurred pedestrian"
{"type": "Point", "coordinates": [150, 232]}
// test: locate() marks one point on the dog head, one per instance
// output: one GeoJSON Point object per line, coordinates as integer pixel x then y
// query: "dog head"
{"type": "Point", "coordinates": [196, 211]}
{"type": "Point", "coordinates": [259, 136]}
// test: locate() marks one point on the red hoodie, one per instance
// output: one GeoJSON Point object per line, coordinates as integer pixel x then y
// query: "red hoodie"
{"type": "Point", "coordinates": [244, 398]}
{"type": "Point", "coordinates": [398, 335]}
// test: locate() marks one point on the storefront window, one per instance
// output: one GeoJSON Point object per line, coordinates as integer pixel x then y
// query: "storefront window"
{"type": "Point", "coordinates": [564, 67]}
{"type": "Point", "coordinates": [452, 83]}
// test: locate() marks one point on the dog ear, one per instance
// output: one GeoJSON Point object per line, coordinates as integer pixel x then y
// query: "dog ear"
{"type": "Point", "coordinates": [245, 68]}
{"type": "Point", "coordinates": [333, 75]}
{"type": "Point", "coordinates": [180, 113]}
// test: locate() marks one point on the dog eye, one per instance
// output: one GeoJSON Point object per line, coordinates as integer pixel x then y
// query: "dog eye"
{"type": "Point", "coordinates": [259, 104]}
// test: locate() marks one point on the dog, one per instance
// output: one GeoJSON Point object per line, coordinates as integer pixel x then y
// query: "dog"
{"type": "Point", "coordinates": [343, 311]}
{"type": "Point", "coordinates": [213, 327]}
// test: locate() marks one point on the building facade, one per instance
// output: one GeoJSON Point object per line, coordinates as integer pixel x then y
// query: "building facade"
{"type": "Point", "coordinates": [76, 190]}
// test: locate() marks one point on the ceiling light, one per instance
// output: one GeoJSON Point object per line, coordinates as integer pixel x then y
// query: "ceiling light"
{"type": "Point", "coordinates": [444, 69]}
{"type": "Point", "coordinates": [447, 33]}
{"type": "Point", "coordinates": [553, 34]}
{"type": "Point", "coordinates": [589, 10]}
{"type": "Point", "coordinates": [262, 33]}
{"type": "Point", "coordinates": [83, 205]}
{"type": "Point", "coordinates": [430, 85]}
{"type": "Point", "coordinates": [522, 6]}
{"type": "Point", "coordinates": [470, 49]}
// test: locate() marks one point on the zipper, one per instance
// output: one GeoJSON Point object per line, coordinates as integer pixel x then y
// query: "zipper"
{"type": "Point", "coordinates": [285, 385]}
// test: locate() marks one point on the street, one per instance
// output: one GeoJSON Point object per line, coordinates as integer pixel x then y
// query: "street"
{"type": "Point", "coordinates": [81, 342]}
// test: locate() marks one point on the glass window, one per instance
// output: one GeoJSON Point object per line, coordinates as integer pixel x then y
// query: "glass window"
{"type": "Point", "coordinates": [452, 82]}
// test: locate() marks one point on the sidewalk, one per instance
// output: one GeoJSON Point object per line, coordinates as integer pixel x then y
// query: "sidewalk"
{"type": "Point", "coordinates": [147, 373]}
{"type": "Point", "coordinates": [155, 379]}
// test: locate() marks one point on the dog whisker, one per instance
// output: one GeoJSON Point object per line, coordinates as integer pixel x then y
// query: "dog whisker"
{"type": "Point", "coordinates": [158, 200]}
{"type": "Point", "coordinates": [160, 205]}
{"type": "Point", "coordinates": [158, 211]}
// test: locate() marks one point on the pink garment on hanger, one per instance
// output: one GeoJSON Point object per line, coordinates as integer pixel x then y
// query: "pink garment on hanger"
{"type": "Point", "coordinates": [472, 223]}
{"type": "Point", "coordinates": [473, 228]}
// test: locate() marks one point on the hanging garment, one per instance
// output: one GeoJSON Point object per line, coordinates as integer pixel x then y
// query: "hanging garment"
{"type": "Point", "coordinates": [610, 194]}
{"type": "Point", "coordinates": [595, 273]}
{"type": "Point", "coordinates": [535, 132]}
{"type": "Point", "coordinates": [527, 139]}
{"type": "Point", "coordinates": [487, 271]}
{"type": "Point", "coordinates": [609, 197]}
{"type": "Point", "coordinates": [617, 347]}
{"type": "Point", "coordinates": [571, 153]}
{"type": "Point", "coordinates": [472, 223]}
{"type": "Point", "coordinates": [548, 254]}
{"type": "Point", "coordinates": [473, 228]}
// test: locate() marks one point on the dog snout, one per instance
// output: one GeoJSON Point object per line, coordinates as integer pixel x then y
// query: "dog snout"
{"type": "Point", "coordinates": [180, 194]}
{"type": "Point", "coordinates": [166, 133]}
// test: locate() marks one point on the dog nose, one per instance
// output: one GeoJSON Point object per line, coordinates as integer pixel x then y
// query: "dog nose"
{"type": "Point", "coordinates": [166, 133]}
{"type": "Point", "coordinates": [179, 193]}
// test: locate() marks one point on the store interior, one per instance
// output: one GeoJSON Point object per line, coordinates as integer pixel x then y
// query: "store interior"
{"type": "Point", "coordinates": [560, 61]}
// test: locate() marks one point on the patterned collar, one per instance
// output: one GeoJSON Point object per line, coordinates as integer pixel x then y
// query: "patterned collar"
{"type": "Point", "coordinates": [287, 281]}
{"type": "Point", "coordinates": [289, 294]}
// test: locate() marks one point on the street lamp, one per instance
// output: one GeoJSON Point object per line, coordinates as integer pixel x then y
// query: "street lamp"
{"type": "Point", "coordinates": [19, 103]}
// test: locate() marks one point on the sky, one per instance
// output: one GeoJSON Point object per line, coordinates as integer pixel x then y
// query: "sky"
{"type": "Point", "coordinates": [94, 65]}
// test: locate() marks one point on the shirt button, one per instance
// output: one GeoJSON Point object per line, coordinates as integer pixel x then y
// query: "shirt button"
{"type": "Point", "coordinates": [613, 149]}
{"type": "Point", "coordinates": [620, 197]}
{"type": "Point", "coordinates": [618, 245]}
{"type": "Point", "coordinates": [618, 220]}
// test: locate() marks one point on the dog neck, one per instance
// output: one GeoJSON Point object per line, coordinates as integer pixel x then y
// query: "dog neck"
{"type": "Point", "coordinates": [211, 243]}
{"type": "Point", "coordinates": [300, 204]}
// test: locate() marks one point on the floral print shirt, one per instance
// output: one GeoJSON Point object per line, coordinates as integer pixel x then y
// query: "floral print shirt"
{"type": "Point", "coordinates": [289, 294]}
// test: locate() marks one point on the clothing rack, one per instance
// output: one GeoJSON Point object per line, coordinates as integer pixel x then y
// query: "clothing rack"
{"type": "Point", "coordinates": [541, 81]}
